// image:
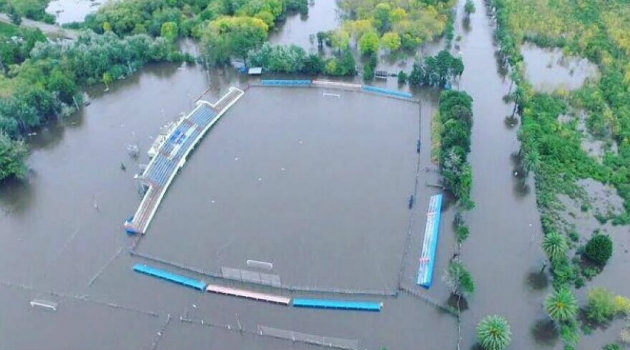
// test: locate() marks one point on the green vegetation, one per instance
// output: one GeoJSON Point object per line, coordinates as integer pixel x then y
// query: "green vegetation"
{"type": "Point", "coordinates": [227, 37]}
{"type": "Point", "coordinates": [455, 113]}
{"type": "Point", "coordinates": [394, 24]}
{"type": "Point", "coordinates": [33, 9]}
{"type": "Point", "coordinates": [469, 8]}
{"type": "Point", "coordinates": [16, 44]}
{"type": "Point", "coordinates": [227, 28]}
{"type": "Point", "coordinates": [597, 30]}
{"type": "Point", "coordinates": [493, 333]}
{"type": "Point", "coordinates": [561, 305]}
{"type": "Point", "coordinates": [285, 59]}
{"type": "Point", "coordinates": [603, 305]}
{"type": "Point", "coordinates": [439, 70]}
{"type": "Point", "coordinates": [459, 279]}
{"type": "Point", "coordinates": [47, 82]}
{"type": "Point", "coordinates": [599, 249]}
{"type": "Point", "coordinates": [12, 156]}
{"type": "Point", "coordinates": [555, 246]}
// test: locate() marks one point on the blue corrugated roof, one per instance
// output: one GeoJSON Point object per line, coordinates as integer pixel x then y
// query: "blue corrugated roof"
{"type": "Point", "coordinates": [429, 245]}
{"type": "Point", "coordinates": [379, 90]}
{"type": "Point", "coordinates": [185, 281]}
{"type": "Point", "coordinates": [337, 304]}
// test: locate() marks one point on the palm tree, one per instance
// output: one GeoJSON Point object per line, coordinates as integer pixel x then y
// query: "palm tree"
{"type": "Point", "coordinates": [555, 245]}
{"type": "Point", "coordinates": [561, 305]}
{"type": "Point", "coordinates": [493, 333]}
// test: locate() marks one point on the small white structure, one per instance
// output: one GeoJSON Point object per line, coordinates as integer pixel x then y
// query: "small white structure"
{"type": "Point", "coordinates": [44, 304]}
{"type": "Point", "coordinates": [255, 71]}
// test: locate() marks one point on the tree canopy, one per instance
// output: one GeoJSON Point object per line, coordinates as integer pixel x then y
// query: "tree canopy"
{"type": "Point", "coordinates": [232, 36]}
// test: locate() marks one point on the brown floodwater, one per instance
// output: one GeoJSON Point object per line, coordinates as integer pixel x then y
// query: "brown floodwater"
{"type": "Point", "coordinates": [336, 215]}
{"type": "Point", "coordinates": [550, 69]}
{"type": "Point", "coordinates": [67, 11]}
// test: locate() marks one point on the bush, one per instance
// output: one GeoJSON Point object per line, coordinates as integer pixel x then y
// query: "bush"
{"type": "Point", "coordinates": [402, 77]}
{"type": "Point", "coordinates": [493, 333]}
{"type": "Point", "coordinates": [12, 155]}
{"type": "Point", "coordinates": [561, 305]}
{"type": "Point", "coordinates": [461, 232]}
{"type": "Point", "coordinates": [459, 279]}
{"type": "Point", "coordinates": [603, 305]}
{"type": "Point", "coordinates": [555, 245]}
{"type": "Point", "coordinates": [599, 249]}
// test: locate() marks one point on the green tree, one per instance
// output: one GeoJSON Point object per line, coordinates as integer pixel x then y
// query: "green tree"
{"type": "Point", "coordinates": [469, 8]}
{"type": "Point", "coordinates": [107, 27]}
{"type": "Point", "coordinates": [555, 245]}
{"type": "Point", "coordinates": [12, 156]}
{"type": "Point", "coordinates": [232, 36]}
{"type": "Point", "coordinates": [561, 305]}
{"type": "Point", "coordinates": [107, 79]}
{"type": "Point", "coordinates": [494, 333]}
{"type": "Point", "coordinates": [599, 249]}
{"type": "Point", "coordinates": [169, 31]}
{"type": "Point", "coordinates": [601, 305]}
{"type": "Point", "coordinates": [459, 279]}
{"type": "Point", "coordinates": [402, 77]}
{"type": "Point", "coordinates": [368, 43]}
{"type": "Point", "coordinates": [340, 40]}
{"type": "Point", "coordinates": [14, 16]}
{"type": "Point", "coordinates": [381, 16]}
{"type": "Point", "coordinates": [391, 40]}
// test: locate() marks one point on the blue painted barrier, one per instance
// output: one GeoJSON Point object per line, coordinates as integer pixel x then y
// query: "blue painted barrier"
{"type": "Point", "coordinates": [171, 277]}
{"type": "Point", "coordinates": [378, 90]}
{"type": "Point", "coordinates": [337, 304]}
{"type": "Point", "coordinates": [429, 245]}
{"type": "Point", "coordinates": [268, 82]}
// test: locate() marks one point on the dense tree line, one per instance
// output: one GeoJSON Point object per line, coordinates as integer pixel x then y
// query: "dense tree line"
{"type": "Point", "coordinates": [293, 59]}
{"type": "Point", "coordinates": [33, 9]}
{"type": "Point", "coordinates": [439, 70]}
{"type": "Point", "coordinates": [394, 25]}
{"type": "Point", "coordinates": [48, 82]}
{"type": "Point", "coordinates": [455, 113]}
{"type": "Point", "coordinates": [227, 28]}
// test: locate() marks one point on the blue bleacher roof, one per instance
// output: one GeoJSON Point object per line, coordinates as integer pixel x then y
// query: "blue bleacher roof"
{"type": "Point", "coordinates": [337, 304]}
{"type": "Point", "coordinates": [185, 281]}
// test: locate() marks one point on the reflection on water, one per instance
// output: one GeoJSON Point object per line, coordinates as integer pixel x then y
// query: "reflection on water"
{"type": "Point", "coordinates": [537, 280]}
{"type": "Point", "coordinates": [545, 332]}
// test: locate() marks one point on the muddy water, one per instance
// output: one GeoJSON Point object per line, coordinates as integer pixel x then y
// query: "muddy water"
{"type": "Point", "coordinates": [301, 30]}
{"type": "Point", "coordinates": [549, 69]}
{"type": "Point", "coordinates": [62, 228]}
{"type": "Point", "coordinates": [504, 243]}
{"type": "Point", "coordinates": [67, 11]}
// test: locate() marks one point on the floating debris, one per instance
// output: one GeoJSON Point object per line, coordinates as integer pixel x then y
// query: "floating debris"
{"type": "Point", "coordinates": [133, 151]}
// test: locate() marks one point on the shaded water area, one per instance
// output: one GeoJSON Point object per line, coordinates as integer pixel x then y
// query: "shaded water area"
{"type": "Point", "coordinates": [550, 69]}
